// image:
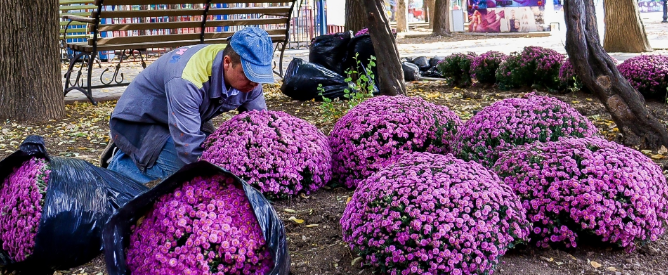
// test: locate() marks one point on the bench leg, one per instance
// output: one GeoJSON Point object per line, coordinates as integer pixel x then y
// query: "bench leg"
{"type": "Point", "coordinates": [280, 64]}
{"type": "Point", "coordinates": [76, 85]}
{"type": "Point", "coordinates": [88, 91]}
{"type": "Point", "coordinates": [68, 74]}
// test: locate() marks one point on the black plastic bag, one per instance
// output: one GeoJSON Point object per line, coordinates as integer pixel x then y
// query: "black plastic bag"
{"type": "Point", "coordinates": [422, 63]}
{"type": "Point", "coordinates": [411, 71]}
{"type": "Point", "coordinates": [330, 51]}
{"type": "Point", "coordinates": [302, 78]}
{"type": "Point", "coordinates": [117, 231]}
{"type": "Point", "coordinates": [79, 200]}
{"type": "Point", "coordinates": [363, 47]}
{"type": "Point", "coordinates": [435, 60]}
{"type": "Point", "coordinates": [433, 72]}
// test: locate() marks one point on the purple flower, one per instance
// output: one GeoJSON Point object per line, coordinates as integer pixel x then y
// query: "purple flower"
{"type": "Point", "coordinates": [456, 68]}
{"type": "Point", "coordinates": [647, 73]}
{"type": "Point", "coordinates": [22, 196]}
{"type": "Point", "coordinates": [279, 154]}
{"type": "Point", "coordinates": [472, 217]}
{"type": "Point", "coordinates": [241, 249]}
{"type": "Point", "coordinates": [483, 67]}
{"type": "Point", "coordinates": [365, 31]}
{"type": "Point", "coordinates": [517, 121]}
{"type": "Point", "coordinates": [535, 65]}
{"type": "Point", "coordinates": [379, 130]}
{"type": "Point", "coordinates": [362, 32]}
{"type": "Point", "coordinates": [588, 185]}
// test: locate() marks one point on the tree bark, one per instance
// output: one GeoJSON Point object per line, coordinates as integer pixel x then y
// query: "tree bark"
{"type": "Point", "coordinates": [442, 18]}
{"type": "Point", "coordinates": [401, 14]}
{"type": "Point", "coordinates": [390, 73]}
{"type": "Point", "coordinates": [355, 15]}
{"type": "Point", "coordinates": [600, 75]}
{"type": "Point", "coordinates": [624, 30]}
{"type": "Point", "coordinates": [429, 7]}
{"type": "Point", "coordinates": [30, 80]}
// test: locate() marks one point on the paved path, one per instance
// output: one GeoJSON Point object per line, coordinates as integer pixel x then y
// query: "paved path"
{"type": "Point", "coordinates": [657, 33]}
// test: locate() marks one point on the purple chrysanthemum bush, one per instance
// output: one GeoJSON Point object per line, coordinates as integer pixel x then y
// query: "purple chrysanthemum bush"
{"type": "Point", "coordinates": [205, 226]}
{"type": "Point", "coordinates": [569, 80]}
{"type": "Point", "coordinates": [517, 121]}
{"type": "Point", "coordinates": [484, 66]}
{"type": "Point", "coordinates": [587, 186]}
{"type": "Point", "coordinates": [379, 130]}
{"type": "Point", "coordinates": [279, 154]}
{"type": "Point", "coordinates": [647, 73]}
{"type": "Point", "coordinates": [22, 196]}
{"type": "Point", "coordinates": [456, 68]}
{"type": "Point", "coordinates": [534, 65]}
{"type": "Point", "coordinates": [433, 214]}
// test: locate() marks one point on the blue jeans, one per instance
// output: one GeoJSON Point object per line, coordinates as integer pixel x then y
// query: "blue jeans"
{"type": "Point", "coordinates": [167, 164]}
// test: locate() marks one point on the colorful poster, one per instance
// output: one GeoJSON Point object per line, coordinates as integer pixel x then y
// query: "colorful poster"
{"type": "Point", "coordinates": [558, 5]}
{"type": "Point", "coordinates": [503, 19]}
{"type": "Point", "coordinates": [650, 5]}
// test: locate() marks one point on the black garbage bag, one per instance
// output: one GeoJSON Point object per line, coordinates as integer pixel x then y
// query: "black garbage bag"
{"type": "Point", "coordinates": [302, 78]}
{"type": "Point", "coordinates": [363, 47]}
{"type": "Point", "coordinates": [422, 63]}
{"type": "Point", "coordinates": [435, 60]}
{"type": "Point", "coordinates": [411, 71]}
{"type": "Point", "coordinates": [117, 231]}
{"type": "Point", "coordinates": [80, 198]}
{"type": "Point", "coordinates": [330, 50]}
{"type": "Point", "coordinates": [432, 72]}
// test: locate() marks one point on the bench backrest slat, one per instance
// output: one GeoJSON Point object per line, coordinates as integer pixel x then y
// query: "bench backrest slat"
{"type": "Point", "coordinates": [188, 24]}
{"type": "Point", "coordinates": [180, 43]}
{"type": "Point", "coordinates": [281, 11]}
{"type": "Point", "coordinates": [188, 36]}
{"type": "Point", "coordinates": [173, 2]}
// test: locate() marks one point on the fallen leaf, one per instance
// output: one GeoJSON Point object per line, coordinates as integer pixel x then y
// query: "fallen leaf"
{"type": "Point", "coordinates": [646, 151]}
{"type": "Point", "coordinates": [356, 261]}
{"type": "Point", "coordinates": [612, 269]}
{"type": "Point", "coordinates": [298, 221]}
{"type": "Point", "coordinates": [657, 156]}
{"type": "Point", "coordinates": [595, 264]}
{"type": "Point", "coordinates": [288, 210]}
{"type": "Point", "coordinates": [663, 150]}
{"type": "Point", "coordinates": [348, 200]}
{"type": "Point", "coordinates": [547, 259]}
{"type": "Point", "coordinates": [312, 225]}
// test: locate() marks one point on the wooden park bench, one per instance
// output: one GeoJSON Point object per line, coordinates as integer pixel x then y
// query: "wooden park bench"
{"type": "Point", "coordinates": [166, 24]}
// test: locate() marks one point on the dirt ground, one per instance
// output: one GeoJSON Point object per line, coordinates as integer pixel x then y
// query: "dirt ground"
{"type": "Point", "coordinates": [316, 245]}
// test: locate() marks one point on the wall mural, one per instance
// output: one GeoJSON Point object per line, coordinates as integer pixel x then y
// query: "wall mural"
{"type": "Point", "coordinates": [506, 15]}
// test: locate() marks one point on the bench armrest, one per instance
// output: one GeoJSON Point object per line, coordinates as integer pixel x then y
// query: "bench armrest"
{"type": "Point", "coordinates": [79, 18]}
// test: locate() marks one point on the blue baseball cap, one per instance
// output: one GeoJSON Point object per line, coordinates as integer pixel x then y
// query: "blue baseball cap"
{"type": "Point", "coordinates": [256, 51]}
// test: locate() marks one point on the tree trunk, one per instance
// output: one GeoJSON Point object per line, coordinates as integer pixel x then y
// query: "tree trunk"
{"type": "Point", "coordinates": [624, 31]}
{"type": "Point", "coordinates": [390, 73]}
{"type": "Point", "coordinates": [401, 14]}
{"type": "Point", "coordinates": [30, 80]}
{"type": "Point", "coordinates": [442, 18]}
{"type": "Point", "coordinates": [429, 7]}
{"type": "Point", "coordinates": [600, 75]}
{"type": "Point", "coordinates": [355, 15]}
